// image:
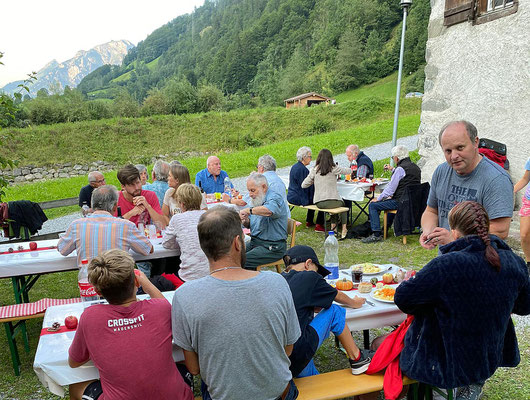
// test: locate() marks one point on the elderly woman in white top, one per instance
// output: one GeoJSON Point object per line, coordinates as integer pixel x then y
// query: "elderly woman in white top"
{"type": "Point", "coordinates": [182, 233]}
{"type": "Point", "coordinates": [324, 177]}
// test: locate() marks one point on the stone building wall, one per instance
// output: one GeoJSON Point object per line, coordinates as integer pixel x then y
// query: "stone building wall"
{"type": "Point", "coordinates": [480, 73]}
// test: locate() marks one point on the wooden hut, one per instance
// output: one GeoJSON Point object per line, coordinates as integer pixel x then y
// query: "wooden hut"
{"type": "Point", "coordinates": [307, 99]}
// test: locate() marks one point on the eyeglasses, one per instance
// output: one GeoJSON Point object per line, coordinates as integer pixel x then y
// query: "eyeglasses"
{"type": "Point", "coordinates": [100, 180]}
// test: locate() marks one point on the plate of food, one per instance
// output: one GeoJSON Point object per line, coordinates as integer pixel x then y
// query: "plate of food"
{"type": "Point", "coordinates": [385, 295]}
{"type": "Point", "coordinates": [368, 268]}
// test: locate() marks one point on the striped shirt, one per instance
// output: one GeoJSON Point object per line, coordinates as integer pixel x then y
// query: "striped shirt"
{"type": "Point", "coordinates": [99, 232]}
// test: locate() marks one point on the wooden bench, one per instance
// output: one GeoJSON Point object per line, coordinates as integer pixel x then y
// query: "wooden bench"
{"type": "Point", "coordinates": [15, 324]}
{"type": "Point", "coordinates": [332, 211]}
{"type": "Point", "coordinates": [338, 385]}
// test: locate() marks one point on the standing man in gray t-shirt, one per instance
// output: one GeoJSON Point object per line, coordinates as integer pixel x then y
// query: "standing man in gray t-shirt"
{"type": "Point", "coordinates": [237, 327]}
{"type": "Point", "coordinates": [467, 175]}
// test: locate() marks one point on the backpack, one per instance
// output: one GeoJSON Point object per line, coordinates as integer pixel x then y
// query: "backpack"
{"type": "Point", "coordinates": [359, 231]}
{"type": "Point", "coordinates": [495, 151]}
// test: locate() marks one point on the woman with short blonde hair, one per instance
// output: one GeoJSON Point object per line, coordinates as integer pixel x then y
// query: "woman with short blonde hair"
{"type": "Point", "coordinates": [182, 233]}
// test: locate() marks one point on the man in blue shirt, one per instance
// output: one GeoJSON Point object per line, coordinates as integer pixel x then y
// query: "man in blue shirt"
{"type": "Point", "coordinates": [212, 178]}
{"type": "Point", "coordinates": [267, 167]}
{"type": "Point", "coordinates": [267, 219]}
{"type": "Point", "coordinates": [159, 175]}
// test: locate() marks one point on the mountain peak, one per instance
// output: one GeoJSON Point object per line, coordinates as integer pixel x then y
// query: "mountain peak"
{"type": "Point", "coordinates": [73, 70]}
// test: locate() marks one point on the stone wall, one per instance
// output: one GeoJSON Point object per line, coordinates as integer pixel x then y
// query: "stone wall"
{"type": "Point", "coordinates": [30, 173]}
{"type": "Point", "coordinates": [479, 73]}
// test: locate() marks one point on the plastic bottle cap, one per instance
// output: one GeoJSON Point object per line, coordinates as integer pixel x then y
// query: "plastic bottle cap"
{"type": "Point", "coordinates": [331, 232]}
{"type": "Point", "coordinates": [84, 261]}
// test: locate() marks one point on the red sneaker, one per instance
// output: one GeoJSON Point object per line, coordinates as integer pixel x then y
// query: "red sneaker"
{"type": "Point", "coordinates": [309, 224]}
{"type": "Point", "coordinates": [319, 228]}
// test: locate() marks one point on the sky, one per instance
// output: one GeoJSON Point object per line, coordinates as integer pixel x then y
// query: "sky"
{"type": "Point", "coordinates": [34, 32]}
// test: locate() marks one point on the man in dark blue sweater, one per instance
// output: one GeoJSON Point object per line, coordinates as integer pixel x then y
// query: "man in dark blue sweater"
{"type": "Point", "coordinates": [360, 163]}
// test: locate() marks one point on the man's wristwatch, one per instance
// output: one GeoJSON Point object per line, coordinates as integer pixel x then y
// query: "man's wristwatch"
{"type": "Point", "coordinates": [250, 210]}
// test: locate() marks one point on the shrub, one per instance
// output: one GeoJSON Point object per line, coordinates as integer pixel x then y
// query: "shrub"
{"type": "Point", "coordinates": [319, 126]}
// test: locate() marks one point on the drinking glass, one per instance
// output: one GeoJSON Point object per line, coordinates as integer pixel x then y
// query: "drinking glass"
{"type": "Point", "coordinates": [357, 277]}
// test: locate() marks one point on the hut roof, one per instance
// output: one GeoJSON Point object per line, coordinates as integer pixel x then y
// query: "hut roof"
{"type": "Point", "coordinates": [303, 96]}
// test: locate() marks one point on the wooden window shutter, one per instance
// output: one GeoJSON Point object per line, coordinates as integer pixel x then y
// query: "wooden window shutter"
{"type": "Point", "coordinates": [457, 11]}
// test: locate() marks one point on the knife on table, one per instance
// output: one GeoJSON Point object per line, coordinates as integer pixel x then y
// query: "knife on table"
{"type": "Point", "coordinates": [370, 303]}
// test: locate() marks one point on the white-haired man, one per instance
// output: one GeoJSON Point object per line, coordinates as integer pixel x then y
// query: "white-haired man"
{"type": "Point", "coordinates": [101, 231]}
{"type": "Point", "coordinates": [159, 176]}
{"type": "Point", "coordinates": [212, 178]}
{"type": "Point", "coordinates": [406, 173]}
{"type": "Point", "coordinates": [95, 180]}
{"type": "Point", "coordinates": [267, 167]}
{"type": "Point", "coordinates": [360, 163]}
{"type": "Point", "coordinates": [267, 219]}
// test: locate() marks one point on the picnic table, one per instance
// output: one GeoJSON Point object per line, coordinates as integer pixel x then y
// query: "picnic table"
{"type": "Point", "coordinates": [357, 192]}
{"type": "Point", "coordinates": [25, 267]}
{"type": "Point", "coordinates": [51, 358]}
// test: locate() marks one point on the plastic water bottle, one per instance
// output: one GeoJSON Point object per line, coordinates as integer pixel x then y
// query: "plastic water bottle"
{"type": "Point", "coordinates": [228, 186]}
{"type": "Point", "coordinates": [86, 290]}
{"type": "Point", "coordinates": [84, 209]}
{"type": "Point", "coordinates": [331, 258]}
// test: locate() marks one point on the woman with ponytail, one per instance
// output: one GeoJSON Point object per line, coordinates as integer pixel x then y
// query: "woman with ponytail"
{"type": "Point", "coordinates": [462, 303]}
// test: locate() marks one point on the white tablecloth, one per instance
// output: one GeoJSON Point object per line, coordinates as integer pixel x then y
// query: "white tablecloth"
{"type": "Point", "coordinates": [369, 317]}
{"type": "Point", "coordinates": [46, 261]}
{"type": "Point", "coordinates": [51, 358]}
{"type": "Point", "coordinates": [354, 191]}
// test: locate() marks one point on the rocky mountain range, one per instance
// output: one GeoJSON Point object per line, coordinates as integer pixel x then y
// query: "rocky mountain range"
{"type": "Point", "coordinates": [72, 71]}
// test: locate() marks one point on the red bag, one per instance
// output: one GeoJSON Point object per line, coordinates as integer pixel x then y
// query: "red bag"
{"type": "Point", "coordinates": [387, 356]}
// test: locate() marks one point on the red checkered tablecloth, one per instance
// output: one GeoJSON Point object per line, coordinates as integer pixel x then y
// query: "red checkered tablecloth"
{"type": "Point", "coordinates": [26, 309]}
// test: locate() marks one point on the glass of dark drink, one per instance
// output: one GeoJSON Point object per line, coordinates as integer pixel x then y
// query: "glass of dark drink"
{"type": "Point", "coordinates": [357, 276]}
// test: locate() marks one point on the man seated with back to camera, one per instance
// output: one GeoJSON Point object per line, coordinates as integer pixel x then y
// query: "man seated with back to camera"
{"type": "Point", "coordinates": [129, 341]}
{"type": "Point", "coordinates": [237, 327]}
{"type": "Point", "coordinates": [100, 231]}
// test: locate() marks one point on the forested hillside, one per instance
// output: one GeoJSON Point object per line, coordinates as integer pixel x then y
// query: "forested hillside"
{"type": "Point", "coordinates": [237, 54]}
{"type": "Point", "coordinates": [270, 49]}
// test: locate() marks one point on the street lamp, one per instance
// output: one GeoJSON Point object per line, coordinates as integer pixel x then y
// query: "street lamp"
{"type": "Point", "coordinates": [405, 4]}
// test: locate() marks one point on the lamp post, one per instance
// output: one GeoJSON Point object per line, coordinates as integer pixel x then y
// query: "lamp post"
{"type": "Point", "coordinates": [405, 4]}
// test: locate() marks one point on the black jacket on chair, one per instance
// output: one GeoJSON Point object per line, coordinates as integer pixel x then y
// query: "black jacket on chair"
{"type": "Point", "coordinates": [24, 213]}
{"type": "Point", "coordinates": [411, 206]}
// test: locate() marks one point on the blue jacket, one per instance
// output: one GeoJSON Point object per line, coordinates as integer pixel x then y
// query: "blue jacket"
{"type": "Point", "coordinates": [463, 331]}
{"type": "Point", "coordinates": [295, 193]}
